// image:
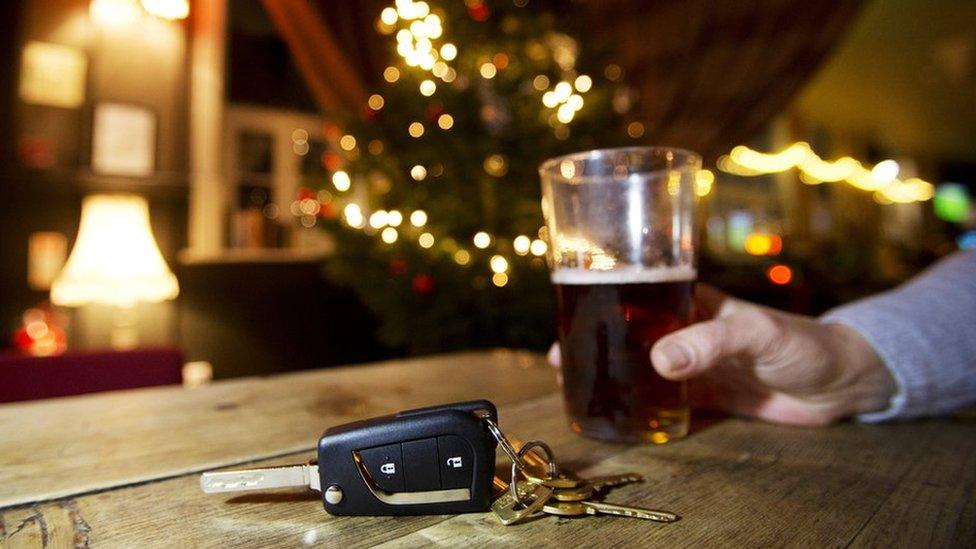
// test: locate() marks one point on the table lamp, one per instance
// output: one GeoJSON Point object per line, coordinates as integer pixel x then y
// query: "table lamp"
{"type": "Point", "coordinates": [115, 261]}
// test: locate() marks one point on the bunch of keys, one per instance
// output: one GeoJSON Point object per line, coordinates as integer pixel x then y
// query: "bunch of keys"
{"type": "Point", "coordinates": [436, 460]}
{"type": "Point", "coordinates": [557, 494]}
{"type": "Point", "coordinates": [430, 461]}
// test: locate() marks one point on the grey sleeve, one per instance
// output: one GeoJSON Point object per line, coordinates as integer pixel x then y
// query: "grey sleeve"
{"type": "Point", "coordinates": [925, 332]}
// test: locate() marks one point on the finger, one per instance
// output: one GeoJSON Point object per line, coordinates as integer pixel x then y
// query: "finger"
{"type": "Point", "coordinates": [700, 347]}
{"type": "Point", "coordinates": [554, 356]}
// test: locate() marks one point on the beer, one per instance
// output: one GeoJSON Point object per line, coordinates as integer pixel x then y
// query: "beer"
{"type": "Point", "coordinates": [622, 240]}
{"type": "Point", "coordinates": [608, 322]}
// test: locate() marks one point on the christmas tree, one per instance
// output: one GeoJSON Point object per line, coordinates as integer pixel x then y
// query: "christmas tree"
{"type": "Point", "coordinates": [433, 195]}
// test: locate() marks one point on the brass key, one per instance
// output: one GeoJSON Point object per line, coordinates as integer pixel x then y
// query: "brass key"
{"type": "Point", "coordinates": [509, 511]}
{"type": "Point", "coordinates": [578, 508]}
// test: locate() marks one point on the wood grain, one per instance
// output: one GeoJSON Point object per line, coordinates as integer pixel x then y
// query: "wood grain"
{"type": "Point", "coordinates": [61, 447]}
{"type": "Point", "coordinates": [735, 483]}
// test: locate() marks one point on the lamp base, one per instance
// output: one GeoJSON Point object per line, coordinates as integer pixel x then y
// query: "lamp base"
{"type": "Point", "coordinates": [125, 332]}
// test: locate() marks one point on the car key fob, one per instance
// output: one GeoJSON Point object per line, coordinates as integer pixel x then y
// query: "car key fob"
{"type": "Point", "coordinates": [436, 460]}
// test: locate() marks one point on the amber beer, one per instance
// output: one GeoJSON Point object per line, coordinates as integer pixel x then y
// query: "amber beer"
{"type": "Point", "coordinates": [622, 240]}
{"type": "Point", "coordinates": [608, 322]}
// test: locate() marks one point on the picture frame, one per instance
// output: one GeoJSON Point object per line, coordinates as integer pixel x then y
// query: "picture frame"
{"type": "Point", "coordinates": [123, 139]}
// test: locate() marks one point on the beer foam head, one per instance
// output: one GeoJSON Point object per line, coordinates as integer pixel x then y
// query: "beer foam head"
{"type": "Point", "coordinates": [626, 275]}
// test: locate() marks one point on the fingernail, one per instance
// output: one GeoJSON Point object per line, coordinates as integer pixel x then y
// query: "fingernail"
{"type": "Point", "coordinates": [676, 357]}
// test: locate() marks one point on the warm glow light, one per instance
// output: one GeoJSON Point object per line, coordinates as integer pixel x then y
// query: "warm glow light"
{"type": "Point", "coordinates": [521, 244]}
{"type": "Point", "coordinates": [635, 129]}
{"type": "Point", "coordinates": [885, 171]}
{"type": "Point", "coordinates": [427, 88]}
{"type": "Point", "coordinates": [418, 218]}
{"type": "Point", "coordinates": [449, 51]}
{"type": "Point", "coordinates": [780, 274]}
{"type": "Point", "coordinates": [482, 240]}
{"type": "Point", "coordinates": [418, 172]}
{"type": "Point", "coordinates": [394, 218]}
{"type": "Point", "coordinates": [171, 10]}
{"type": "Point", "coordinates": [115, 259]}
{"type": "Point", "coordinates": [763, 244]}
{"type": "Point", "coordinates": [416, 129]}
{"type": "Point", "coordinates": [341, 181]}
{"type": "Point", "coordinates": [391, 74]}
{"type": "Point", "coordinates": [426, 240]}
{"type": "Point", "coordinates": [538, 247]}
{"type": "Point", "coordinates": [496, 165]}
{"type": "Point", "coordinates": [565, 114]}
{"type": "Point", "coordinates": [498, 264]}
{"type": "Point", "coordinates": [445, 121]}
{"type": "Point", "coordinates": [562, 91]}
{"type": "Point", "coordinates": [462, 257]}
{"type": "Point", "coordinates": [378, 219]}
{"type": "Point", "coordinates": [575, 102]}
{"type": "Point", "coordinates": [567, 169]}
{"type": "Point", "coordinates": [488, 70]}
{"type": "Point", "coordinates": [703, 182]}
{"type": "Point", "coordinates": [376, 102]}
{"type": "Point", "coordinates": [499, 279]}
{"type": "Point", "coordinates": [389, 16]}
{"type": "Point", "coordinates": [883, 178]}
{"type": "Point", "coordinates": [114, 12]}
{"type": "Point", "coordinates": [549, 99]}
{"type": "Point", "coordinates": [771, 162]}
{"type": "Point", "coordinates": [347, 142]}
{"type": "Point", "coordinates": [583, 83]}
{"type": "Point", "coordinates": [540, 82]}
{"type": "Point", "coordinates": [389, 235]}
{"type": "Point", "coordinates": [354, 216]}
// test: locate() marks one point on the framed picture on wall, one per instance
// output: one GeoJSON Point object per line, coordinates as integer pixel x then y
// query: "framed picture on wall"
{"type": "Point", "coordinates": [123, 140]}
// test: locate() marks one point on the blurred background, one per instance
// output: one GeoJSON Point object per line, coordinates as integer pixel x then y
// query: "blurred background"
{"type": "Point", "coordinates": [254, 186]}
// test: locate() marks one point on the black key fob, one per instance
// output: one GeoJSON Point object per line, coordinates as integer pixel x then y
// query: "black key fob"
{"type": "Point", "coordinates": [429, 461]}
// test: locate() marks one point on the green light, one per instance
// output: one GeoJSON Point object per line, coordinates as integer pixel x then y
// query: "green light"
{"type": "Point", "coordinates": [951, 202]}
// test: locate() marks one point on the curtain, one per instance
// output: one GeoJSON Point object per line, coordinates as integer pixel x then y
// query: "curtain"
{"type": "Point", "coordinates": [709, 73]}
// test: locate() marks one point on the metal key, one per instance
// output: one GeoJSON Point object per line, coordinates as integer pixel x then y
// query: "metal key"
{"type": "Point", "coordinates": [509, 511]}
{"type": "Point", "coordinates": [587, 487]}
{"type": "Point", "coordinates": [261, 479]}
{"type": "Point", "coordinates": [596, 483]}
{"type": "Point", "coordinates": [578, 508]}
{"type": "Point", "coordinates": [609, 481]}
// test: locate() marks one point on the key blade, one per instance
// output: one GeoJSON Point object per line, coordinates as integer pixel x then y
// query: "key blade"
{"type": "Point", "coordinates": [261, 479]}
{"type": "Point", "coordinates": [594, 507]}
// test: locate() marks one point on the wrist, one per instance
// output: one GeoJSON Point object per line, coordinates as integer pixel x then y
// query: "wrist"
{"type": "Point", "coordinates": [863, 375]}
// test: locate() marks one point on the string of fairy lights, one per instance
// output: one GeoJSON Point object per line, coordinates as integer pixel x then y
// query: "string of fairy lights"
{"type": "Point", "coordinates": [421, 44]}
{"type": "Point", "coordinates": [881, 179]}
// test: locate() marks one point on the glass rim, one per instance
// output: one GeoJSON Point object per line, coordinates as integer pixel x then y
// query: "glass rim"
{"type": "Point", "coordinates": [550, 167]}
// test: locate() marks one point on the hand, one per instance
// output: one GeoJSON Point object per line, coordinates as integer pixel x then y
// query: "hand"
{"type": "Point", "coordinates": [759, 362]}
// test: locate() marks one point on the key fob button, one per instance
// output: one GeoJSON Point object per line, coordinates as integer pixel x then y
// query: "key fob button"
{"type": "Point", "coordinates": [456, 462]}
{"type": "Point", "coordinates": [385, 465]}
{"type": "Point", "coordinates": [420, 471]}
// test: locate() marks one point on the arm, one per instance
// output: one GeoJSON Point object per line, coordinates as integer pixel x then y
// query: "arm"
{"type": "Point", "coordinates": [925, 334]}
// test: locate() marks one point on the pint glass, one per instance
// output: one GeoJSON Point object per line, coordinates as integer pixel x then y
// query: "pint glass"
{"type": "Point", "coordinates": [622, 241]}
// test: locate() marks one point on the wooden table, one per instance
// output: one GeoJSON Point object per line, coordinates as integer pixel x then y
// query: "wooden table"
{"type": "Point", "coordinates": [122, 469]}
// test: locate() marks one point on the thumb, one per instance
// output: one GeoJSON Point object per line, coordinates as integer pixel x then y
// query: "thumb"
{"type": "Point", "coordinates": [698, 348]}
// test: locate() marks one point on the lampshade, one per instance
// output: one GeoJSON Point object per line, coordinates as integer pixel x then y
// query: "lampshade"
{"type": "Point", "coordinates": [115, 259]}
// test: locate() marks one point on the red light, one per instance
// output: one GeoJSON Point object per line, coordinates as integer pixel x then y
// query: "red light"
{"type": "Point", "coordinates": [780, 274]}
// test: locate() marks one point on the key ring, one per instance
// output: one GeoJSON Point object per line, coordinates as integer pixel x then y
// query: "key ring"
{"type": "Point", "coordinates": [552, 472]}
{"type": "Point", "coordinates": [502, 441]}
